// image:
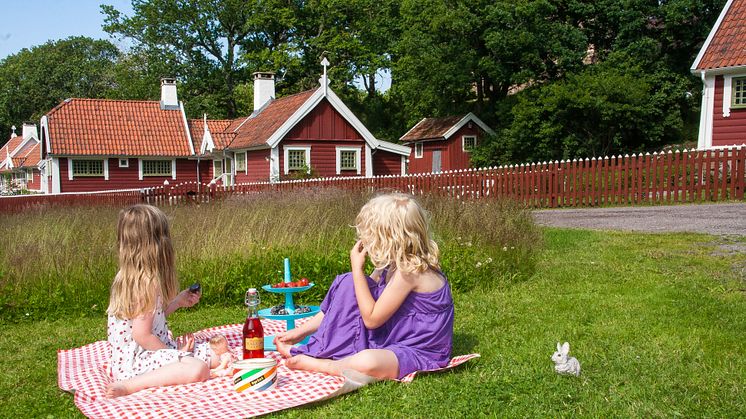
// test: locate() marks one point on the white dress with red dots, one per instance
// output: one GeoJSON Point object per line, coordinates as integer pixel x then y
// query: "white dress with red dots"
{"type": "Point", "coordinates": [128, 359]}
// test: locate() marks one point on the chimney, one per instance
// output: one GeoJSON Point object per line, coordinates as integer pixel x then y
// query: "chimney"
{"type": "Point", "coordinates": [264, 88]}
{"type": "Point", "coordinates": [169, 101]}
{"type": "Point", "coordinates": [29, 130]}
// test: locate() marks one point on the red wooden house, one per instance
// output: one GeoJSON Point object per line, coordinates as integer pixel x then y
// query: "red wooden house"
{"type": "Point", "coordinates": [440, 144]}
{"type": "Point", "coordinates": [99, 144]}
{"type": "Point", "coordinates": [96, 144]}
{"type": "Point", "coordinates": [721, 63]}
{"type": "Point", "coordinates": [312, 132]}
{"type": "Point", "coordinates": [20, 158]}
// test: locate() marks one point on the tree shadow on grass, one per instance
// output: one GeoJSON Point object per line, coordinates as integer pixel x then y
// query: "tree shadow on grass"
{"type": "Point", "coordinates": [463, 343]}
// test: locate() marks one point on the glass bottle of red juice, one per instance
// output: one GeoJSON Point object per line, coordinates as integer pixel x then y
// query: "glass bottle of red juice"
{"type": "Point", "coordinates": [253, 333]}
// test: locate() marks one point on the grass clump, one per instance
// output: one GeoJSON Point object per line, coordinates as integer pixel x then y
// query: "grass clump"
{"type": "Point", "coordinates": [61, 261]}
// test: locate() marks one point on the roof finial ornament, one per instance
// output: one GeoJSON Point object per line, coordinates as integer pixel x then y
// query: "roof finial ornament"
{"type": "Point", "coordinates": [324, 79]}
{"type": "Point", "coordinates": [13, 128]}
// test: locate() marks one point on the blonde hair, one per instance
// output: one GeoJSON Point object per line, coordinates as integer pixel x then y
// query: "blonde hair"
{"type": "Point", "coordinates": [394, 230]}
{"type": "Point", "coordinates": [146, 263]}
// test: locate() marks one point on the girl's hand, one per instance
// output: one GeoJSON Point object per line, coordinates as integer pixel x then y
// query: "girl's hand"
{"type": "Point", "coordinates": [358, 255]}
{"type": "Point", "coordinates": [186, 343]}
{"type": "Point", "coordinates": [187, 298]}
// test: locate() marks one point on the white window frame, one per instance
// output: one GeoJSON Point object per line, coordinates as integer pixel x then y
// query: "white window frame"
{"type": "Point", "coordinates": [419, 149]}
{"type": "Point", "coordinates": [141, 175]}
{"type": "Point", "coordinates": [30, 175]}
{"type": "Point", "coordinates": [124, 163]}
{"type": "Point", "coordinates": [245, 162]}
{"type": "Point", "coordinates": [734, 81]}
{"type": "Point", "coordinates": [104, 163]}
{"type": "Point", "coordinates": [286, 151]}
{"type": "Point", "coordinates": [463, 143]}
{"type": "Point", "coordinates": [356, 150]}
{"type": "Point", "coordinates": [219, 166]}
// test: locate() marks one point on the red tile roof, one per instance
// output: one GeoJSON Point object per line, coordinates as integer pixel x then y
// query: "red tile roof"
{"type": "Point", "coordinates": [116, 128]}
{"type": "Point", "coordinates": [727, 48]}
{"type": "Point", "coordinates": [431, 128]}
{"type": "Point", "coordinates": [31, 158]}
{"type": "Point", "coordinates": [10, 146]}
{"type": "Point", "coordinates": [256, 130]}
{"type": "Point", "coordinates": [217, 127]}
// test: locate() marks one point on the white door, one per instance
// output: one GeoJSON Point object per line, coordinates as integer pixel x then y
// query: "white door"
{"type": "Point", "coordinates": [436, 161]}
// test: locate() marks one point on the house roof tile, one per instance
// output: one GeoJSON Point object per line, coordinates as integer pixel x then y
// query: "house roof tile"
{"type": "Point", "coordinates": [116, 127]}
{"type": "Point", "coordinates": [727, 48]}
{"type": "Point", "coordinates": [217, 127]}
{"type": "Point", "coordinates": [431, 128]}
{"type": "Point", "coordinates": [256, 129]}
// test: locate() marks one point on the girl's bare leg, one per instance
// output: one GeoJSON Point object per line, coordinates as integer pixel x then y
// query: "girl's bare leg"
{"type": "Point", "coordinates": [187, 370]}
{"type": "Point", "coordinates": [378, 363]}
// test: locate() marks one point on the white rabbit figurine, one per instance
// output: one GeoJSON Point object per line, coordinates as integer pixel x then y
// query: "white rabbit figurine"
{"type": "Point", "coordinates": [565, 364]}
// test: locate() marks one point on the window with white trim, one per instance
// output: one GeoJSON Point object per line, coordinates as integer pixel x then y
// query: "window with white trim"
{"type": "Point", "coordinates": [88, 167]}
{"type": "Point", "coordinates": [217, 168]}
{"type": "Point", "coordinates": [30, 176]}
{"type": "Point", "coordinates": [348, 159]}
{"type": "Point", "coordinates": [241, 162]}
{"type": "Point", "coordinates": [124, 163]}
{"type": "Point", "coordinates": [418, 150]}
{"type": "Point", "coordinates": [468, 142]}
{"type": "Point", "coordinates": [296, 159]}
{"type": "Point", "coordinates": [156, 168]}
{"type": "Point", "coordinates": [738, 95]}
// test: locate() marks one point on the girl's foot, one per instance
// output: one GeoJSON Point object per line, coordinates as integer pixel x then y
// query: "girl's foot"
{"type": "Point", "coordinates": [116, 389]}
{"type": "Point", "coordinates": [283, 348]}
{"type": "Point", "coordinates": [307, 363]}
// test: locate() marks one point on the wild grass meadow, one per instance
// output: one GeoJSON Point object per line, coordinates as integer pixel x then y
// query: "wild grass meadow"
{"type": "Point", "coordinates": [657, 321]}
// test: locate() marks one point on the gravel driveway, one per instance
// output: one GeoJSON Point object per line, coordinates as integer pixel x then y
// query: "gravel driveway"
{"type": "Point", "coordinates": [719, 219]}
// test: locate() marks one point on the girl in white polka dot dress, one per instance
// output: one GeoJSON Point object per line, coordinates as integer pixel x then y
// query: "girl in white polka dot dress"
{"type": "Point", "coordinates": [143, 354]}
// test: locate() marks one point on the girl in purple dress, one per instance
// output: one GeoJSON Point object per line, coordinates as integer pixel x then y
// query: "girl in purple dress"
{"type": "Point", "coordinates": [387, 325]}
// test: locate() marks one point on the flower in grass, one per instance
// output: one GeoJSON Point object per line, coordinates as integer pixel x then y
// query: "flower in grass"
{"type": "Point", "coordinates": [505, 248]}
{"type": "Point", "coordinates": [489, 260]}
{"type": "Point", "coordinates": [479, 264]}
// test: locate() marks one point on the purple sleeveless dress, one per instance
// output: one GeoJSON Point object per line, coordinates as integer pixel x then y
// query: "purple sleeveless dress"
{"type": "Point", "coordinates": [420, 333]}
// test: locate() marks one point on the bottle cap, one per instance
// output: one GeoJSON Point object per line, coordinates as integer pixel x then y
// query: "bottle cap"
{"type": "Point", "coordinates": [252, 290]}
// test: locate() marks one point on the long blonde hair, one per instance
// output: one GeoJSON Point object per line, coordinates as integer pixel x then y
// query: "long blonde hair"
{"type": "Point", "coordinates": [394, 230]}
{"type": "Point", "coordinates": [146, 263]}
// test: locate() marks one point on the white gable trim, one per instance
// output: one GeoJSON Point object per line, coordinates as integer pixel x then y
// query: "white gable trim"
{"type": "Point", "coordinates": [309, 105]}
{"type": "Point", "coordinates": [186, 128]}
{"type": "Point", "coordinates": [394, 148]}
{"type": "Point", "coordinates": [207, 142]}
{"type": "Point", "coordinates": [469, 117]}
{"type": "Point", "coordinates": [710, 36]}
{"type": "Point", "coordinates": [44, 127]}
{"type": "Point", "coordinates": [22, 144]}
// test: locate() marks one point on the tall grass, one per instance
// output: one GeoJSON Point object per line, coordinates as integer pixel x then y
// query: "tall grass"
{"type": "Point", "coordinates": [61, 261]}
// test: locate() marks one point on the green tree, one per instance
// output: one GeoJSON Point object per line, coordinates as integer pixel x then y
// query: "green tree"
{"type": "Point", "coordinates": [212, 45]}
{"type": "Point", "coordinates": [35, 80]}
{"type": "Point", "coordinates": [611, 108]}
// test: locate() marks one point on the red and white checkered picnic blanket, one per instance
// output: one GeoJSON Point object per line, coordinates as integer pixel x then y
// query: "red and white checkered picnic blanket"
{"type": "Point", "coordinates": [84, 371]}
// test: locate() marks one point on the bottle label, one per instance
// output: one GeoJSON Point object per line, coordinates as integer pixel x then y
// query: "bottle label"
{"type": "Point", "coordinates": [253, 344]}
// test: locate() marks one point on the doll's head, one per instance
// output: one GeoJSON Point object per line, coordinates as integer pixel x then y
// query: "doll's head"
{"type": "Point", "coordinates": [219, 344]}
{"type": "Point", "coordinates": [146, 263]}
{"type": "Point", "coordinates": [394, 230]}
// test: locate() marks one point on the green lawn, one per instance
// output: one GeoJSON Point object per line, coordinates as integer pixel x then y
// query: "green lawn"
{"type": "Point", "coordinates": [658, 323]}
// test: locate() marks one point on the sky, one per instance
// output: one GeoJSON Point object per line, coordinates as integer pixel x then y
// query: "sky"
{"type": "Point", "coordinates": [33, 22]}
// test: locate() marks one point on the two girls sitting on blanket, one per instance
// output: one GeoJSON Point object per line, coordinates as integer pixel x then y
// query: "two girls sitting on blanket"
{"type": "Point", "coordinates": [396, 321]}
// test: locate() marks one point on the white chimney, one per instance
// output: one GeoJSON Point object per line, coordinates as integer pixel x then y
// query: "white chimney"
{"type": "Point", "coordinates": [169, 100]}
{"type": "Point", "coordinates": [264, 88]}
{"type": "Point", "coordinates": [29, 130]}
